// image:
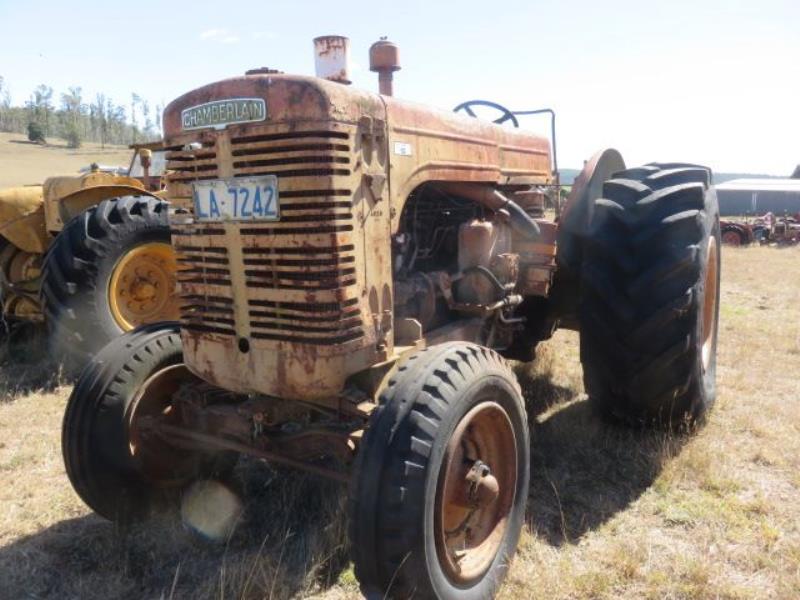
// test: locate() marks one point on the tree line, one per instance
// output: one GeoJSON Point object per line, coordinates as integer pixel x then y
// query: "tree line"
{"type": "Point", "coordinates": [76, 119]}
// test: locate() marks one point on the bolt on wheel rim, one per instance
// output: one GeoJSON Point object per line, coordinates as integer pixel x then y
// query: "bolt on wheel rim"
{"type": "Point", "coordinates": [142, 286]}
{"type": "Point", "coordinates": [710, 302]}
{"type": "Point", "coordinates": [475, 492]}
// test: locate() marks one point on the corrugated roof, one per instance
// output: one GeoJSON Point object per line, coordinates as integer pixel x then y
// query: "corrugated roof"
{"type": "Point", "coordinates": [762, 185]}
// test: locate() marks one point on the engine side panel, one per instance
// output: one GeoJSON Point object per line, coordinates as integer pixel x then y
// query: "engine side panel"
{"type": "Point", "coordinates": [427, 144]}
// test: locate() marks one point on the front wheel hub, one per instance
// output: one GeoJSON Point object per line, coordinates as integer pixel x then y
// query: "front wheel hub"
{"type": "Point", "coordinates": [482, 487]}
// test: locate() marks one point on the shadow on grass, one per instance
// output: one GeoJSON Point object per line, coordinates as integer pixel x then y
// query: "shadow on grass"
{"type": "Point", "coordinates": [25, 364]}
{"type": "Point", "coordinates": [290, 541]}
{"type": "Point", "coordinates": [584, 469]}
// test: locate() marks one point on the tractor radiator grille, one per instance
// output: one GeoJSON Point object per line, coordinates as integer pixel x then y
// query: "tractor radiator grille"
{"type": "Point", "coordinates": [192, 165]}
{"type": "Point", "coordinates": [299, 273]}
{"type": "Point", "coordinates": [297, 154]}
{"type": "Point", "coordinates": [310, 323]}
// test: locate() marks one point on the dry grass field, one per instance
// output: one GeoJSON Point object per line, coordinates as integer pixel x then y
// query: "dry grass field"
{"type": "Point", "coordinates": [612, 513]}
{"type": "Point", "coordinates": [24, 163]}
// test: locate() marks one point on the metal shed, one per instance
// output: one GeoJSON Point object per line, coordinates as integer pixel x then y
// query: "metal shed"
{"type": "Point", "coordinates": [759, 196]}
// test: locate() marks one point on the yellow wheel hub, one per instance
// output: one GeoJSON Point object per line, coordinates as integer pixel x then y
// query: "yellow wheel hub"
{"type": "Point", "coordinates": [142, 286]}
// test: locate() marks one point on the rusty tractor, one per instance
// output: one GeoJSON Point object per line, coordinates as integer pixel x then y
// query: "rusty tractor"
{"type": "Point", "coordinates": [766, 230]}
{"type": "Point", "coordinates": [89, 255]}
{"type": "Point", "coordinates": [783, 231]}
{"type": "Point", "coordinates": [356, 272]}
{"type": "Point", "coordinates": [737, 233]}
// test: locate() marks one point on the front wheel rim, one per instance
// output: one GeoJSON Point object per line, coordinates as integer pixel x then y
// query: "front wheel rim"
{"type": "Point", "coordinates": [475, 492]}
{"type": "Point", "coordinates": [156, 460]}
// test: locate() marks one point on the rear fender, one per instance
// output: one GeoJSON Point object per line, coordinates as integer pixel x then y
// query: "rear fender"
{"type": "Point", "coordinates": [578, 210]}
{"type": "Point", "coordinates": [573, 229]}
{"type": "Point", "coordinates": [66, 208]}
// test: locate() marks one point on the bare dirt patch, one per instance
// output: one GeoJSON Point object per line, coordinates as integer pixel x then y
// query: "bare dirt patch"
{"type": "Point", "coordinates": [612, 513]}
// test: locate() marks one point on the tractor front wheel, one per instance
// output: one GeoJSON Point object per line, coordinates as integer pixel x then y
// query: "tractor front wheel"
{"type": "Point", "coordinates": [118, 467]}
{"type": "Point", "coordinates": [441, 479]}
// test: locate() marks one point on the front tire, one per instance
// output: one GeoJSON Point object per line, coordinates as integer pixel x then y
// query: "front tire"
{"type": "Point", "coordinates": [109, 271]}
{"type": "Point", "coordinates": [650, 296]}
{"type": "Point", "coordinates": [117, 471]}
{"type": "Point", "coordinates": [441, 479]}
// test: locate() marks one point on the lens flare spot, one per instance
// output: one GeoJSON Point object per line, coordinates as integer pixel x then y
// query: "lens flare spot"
{"type": "Point", "coordinates": [211, 509]}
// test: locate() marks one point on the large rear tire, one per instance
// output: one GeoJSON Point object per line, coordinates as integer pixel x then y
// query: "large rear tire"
{"type": "Point", "coordinates": [650, 296]}
{"type": "Point", "coordinates": [110, 270]}
{"type": "Point", "coordinates": [440, 483]}
{"type": "Point", "coordinates": [733, 236]}
{"type": "Point", "coordinates": [118, 471]}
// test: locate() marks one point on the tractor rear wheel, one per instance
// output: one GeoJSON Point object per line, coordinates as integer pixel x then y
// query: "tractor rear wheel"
{"type": "Point", "coordinates": [117, 468]}
{"type": "Point", "coordinates": [110, 270]}
{"type": "Point", "coordinates": [732, 237]}
{"type": "Point", "coordinates": [650, 296]}
{"type": "Point", "coordinates": [441, 479]}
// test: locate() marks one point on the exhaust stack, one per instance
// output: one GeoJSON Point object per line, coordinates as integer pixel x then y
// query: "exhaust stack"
{"type": "Point", "coordinates": [384, 58]}
{"type": "Point", "coordinates": [332, 58]}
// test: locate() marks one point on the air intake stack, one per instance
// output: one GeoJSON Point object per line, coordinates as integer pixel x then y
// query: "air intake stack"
{"type": "Point", "coordinates": [384, 58]}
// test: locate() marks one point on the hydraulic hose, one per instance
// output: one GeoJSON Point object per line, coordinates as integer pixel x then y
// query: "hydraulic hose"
{"type": "Point", "coordinates": [496, 283]}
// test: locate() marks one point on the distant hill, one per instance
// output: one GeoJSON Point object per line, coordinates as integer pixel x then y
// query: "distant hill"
{"type": "Point", "coordinates": [569, 175]}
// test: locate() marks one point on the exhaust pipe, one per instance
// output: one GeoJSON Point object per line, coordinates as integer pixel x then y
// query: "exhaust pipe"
{"type": "Point", "coordinates": [332, 58]}
{"type": "Point", "coordinates": [494, 200]}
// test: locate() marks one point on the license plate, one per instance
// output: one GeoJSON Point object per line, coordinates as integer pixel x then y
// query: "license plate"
{"type": "Point", "coordinates": [240, 199]}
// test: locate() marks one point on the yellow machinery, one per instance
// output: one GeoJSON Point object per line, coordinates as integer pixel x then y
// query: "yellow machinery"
{"type": "Point", "coordinates": [88, 255]}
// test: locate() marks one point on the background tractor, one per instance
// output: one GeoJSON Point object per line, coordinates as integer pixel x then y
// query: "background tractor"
{"type": "Point", "coordinates": [88, 255]}
{"type": "Point", "coordinates": [356, 271]}
{"type": "Point", "coordinates": [766, 230]}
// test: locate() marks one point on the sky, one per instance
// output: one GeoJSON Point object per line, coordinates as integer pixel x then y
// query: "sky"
{"type": "Point", "coordinates": [715, 82]}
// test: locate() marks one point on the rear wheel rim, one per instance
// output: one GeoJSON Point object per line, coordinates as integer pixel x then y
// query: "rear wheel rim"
{"type": "Point", "coordinates": [142, 286]}
{"type": "Point", "coordinates": [710, 302]}
{"type": "Point", "coordinates": [471, 518]}
{"type": "Point", "coordinates": [732, 238]}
